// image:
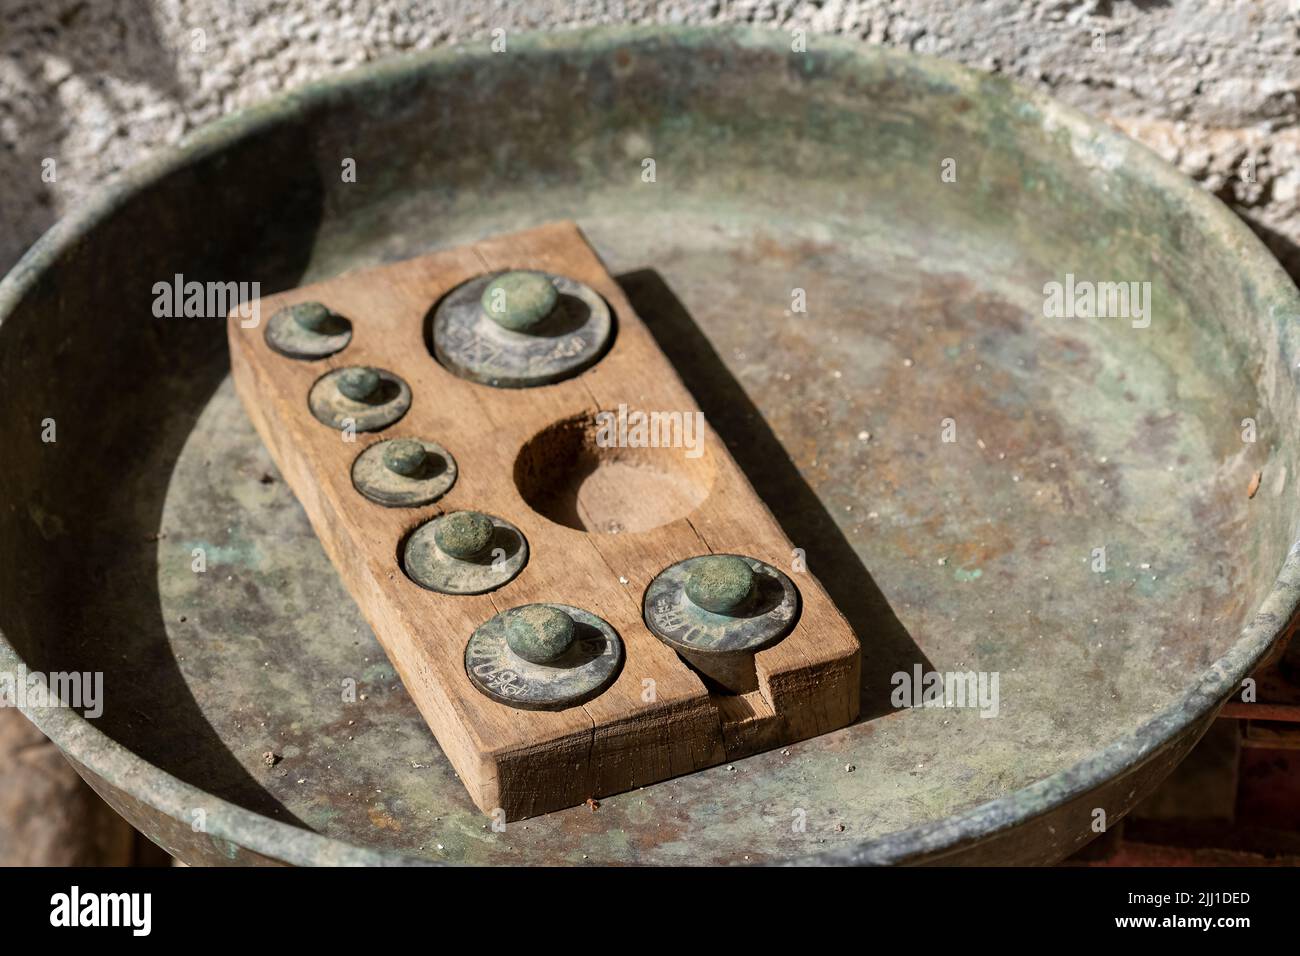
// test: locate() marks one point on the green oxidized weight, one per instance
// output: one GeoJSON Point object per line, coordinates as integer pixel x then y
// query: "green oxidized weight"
{"type": "Point", "coordinates": [519, 300]}
{"type": "Point", "coordinates": [405, 456]}
{"type": "Point", "coordinates": [720, 583]}
{"type": "Point", "coordinates": [464, 534]}
{"type": "Point", "coordinates": [538, 632]}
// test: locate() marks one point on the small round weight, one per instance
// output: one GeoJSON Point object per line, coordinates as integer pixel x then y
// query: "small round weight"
{"type": "Point", "coordinates": [359, 383]}
{"type": "Point", "coordinates": [427, 563]}
{"type": "Point", "coordinates": [538, 633]}
{"type": "Point", "coordinates": [308, 330]}
{"type": "Point", "coordinates": [406, 457]}
{"type": "Point", "coordinates": [464, 534]}
{"type": "Point", "coordinates": [721, 583]}
{"type": "Point", "coordinates": [589, 662]}
{"type": "Point", "coordinates": [404, 472]}
{"type": "Point", "coordinates": [521, 329]}
{"type": "Point", "coordinates": [368, 398]}
{"type": "Point", "coordinates": [763, 606]}
{"type": "Point", "coordinates": [519, 301]}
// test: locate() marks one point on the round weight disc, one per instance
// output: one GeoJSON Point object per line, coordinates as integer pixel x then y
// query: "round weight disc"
{"type": "Point", "coordinates": [331, 407]}
{"type": "Point", "coordinates": [678, 622]}
{"type": "Point", "coordinates": [470, 344]}
{"type": "Point", "coordinates": [430, 567]}
{"type": "Point", "coordinates": [285, 335]}
{"type": "Point", "coordinates": [382, 485]}
{"type": "Point", "coordinates": [591, 664]}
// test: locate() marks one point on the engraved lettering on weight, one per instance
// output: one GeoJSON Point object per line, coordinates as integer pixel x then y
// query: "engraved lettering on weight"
{"type": "Point", "coordinates": [507, 682]}
{"type": "Point", "coordinates": [575, 345]}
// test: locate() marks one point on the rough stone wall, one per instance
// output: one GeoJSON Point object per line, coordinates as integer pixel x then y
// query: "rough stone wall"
{"type": "Point", "coordinates": [48, 817]}
{"type": "Point", "coordinates": [98, 84]}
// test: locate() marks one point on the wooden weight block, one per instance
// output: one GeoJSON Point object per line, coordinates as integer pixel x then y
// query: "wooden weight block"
{"type": "Point", "coordinates": [600, 521]}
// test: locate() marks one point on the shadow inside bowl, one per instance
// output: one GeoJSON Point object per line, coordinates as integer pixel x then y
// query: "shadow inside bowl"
{"type": "Point", "coordinates": [887, 647]}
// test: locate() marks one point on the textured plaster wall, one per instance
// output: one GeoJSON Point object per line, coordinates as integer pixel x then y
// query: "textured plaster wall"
{"type": "Point", "coordinates": [98, 84]}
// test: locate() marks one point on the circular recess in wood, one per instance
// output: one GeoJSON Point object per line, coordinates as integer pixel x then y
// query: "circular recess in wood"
{"type": "Point", "coordinates": [608, 473]}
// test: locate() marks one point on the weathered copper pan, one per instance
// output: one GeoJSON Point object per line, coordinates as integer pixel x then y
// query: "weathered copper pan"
{"type": "Point", "coordinates": [774, 172]}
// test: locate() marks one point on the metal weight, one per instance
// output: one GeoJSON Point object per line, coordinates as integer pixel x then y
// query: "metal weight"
{"type": "Point", "coordinates": [368, 398]}
{"type": "Point", "coordinates": [404, 472]}
{"type": "Point", "coordinates": [465, 552]}
{"type": "Point", "coordinates": [308, 330]}
{"type": "Point", "coordinates": [543, 656]}
{"type": "Point", "coordinates": [521, 329]}
{"type": "Point", "coordinates": [718, 610]}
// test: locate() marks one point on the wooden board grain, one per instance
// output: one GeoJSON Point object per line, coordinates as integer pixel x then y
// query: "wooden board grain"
{"type": "Point", "coordinates": [627, 516]}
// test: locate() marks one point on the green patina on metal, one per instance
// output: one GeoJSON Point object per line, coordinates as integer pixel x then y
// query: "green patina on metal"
{"type": "Point", "coordinates": [717, 611]}
{"type": "Point", "coordinates": [569, 657]}
{"type": "Point", "coordinates": [539, 633]}
{"type": "Point", "coordinates": [464, 534]}
{"type": "Point", "coordinates": [925, 299]}
{"type": "Point", "coordinates": [406, 457]}
{"type": "Point", "coordinates": [520, 329]}
{"type": "Point", "coordinates": [404, 472]}
{"type": "Point", "coordinates": [308, 330]}
{"type": "Point", "coordinates": [519, 301]}
{"type": "Point", "coordinates": [708, 605]}
{"type": "Point", "coordinates": [314, 317]}
{"type": "Point", "coordinates": [364, 399]}
{"type": "Point", "coordinates": [358, 383]}
{"type": "Point", "coordinates": [464, 552]}
{"type": "Point", "coordinates": [720, 583]}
